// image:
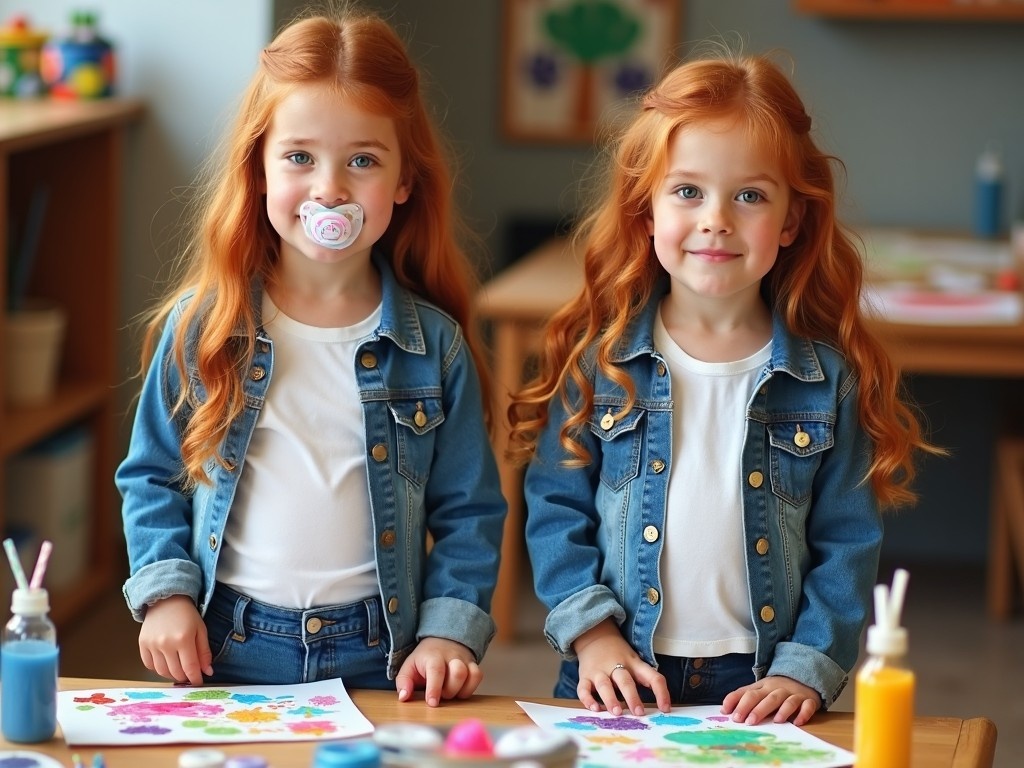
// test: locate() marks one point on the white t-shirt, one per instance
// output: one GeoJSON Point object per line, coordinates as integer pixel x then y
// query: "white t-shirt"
{"type": "Point", "coordinates": [300, 532]}
{"type": "Point", "coordinates": [705, 598]}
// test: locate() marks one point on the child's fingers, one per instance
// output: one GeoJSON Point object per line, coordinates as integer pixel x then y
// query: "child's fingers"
{"type": "Point", "coordinates": [433, 673]}
{"type": "Point", "coordinates": [455, 677]}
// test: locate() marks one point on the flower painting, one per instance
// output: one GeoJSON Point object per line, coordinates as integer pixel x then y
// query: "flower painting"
{"type": "Point", "coordinates": [567, 62]}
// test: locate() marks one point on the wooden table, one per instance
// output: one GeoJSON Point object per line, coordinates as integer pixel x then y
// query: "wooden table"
{"type": "Point", "coordinates": [518, 302]}
{"type": "Point", "coordinates": [948, 742]}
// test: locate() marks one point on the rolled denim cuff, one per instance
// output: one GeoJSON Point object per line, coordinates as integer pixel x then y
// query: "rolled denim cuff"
{"type": "Point", "coordinates": [812, 668]}
{"type": "Point", "coordinates": [457, 620]}
{"type": "Point", "coordinates": [578, 613]}
{"type": "Point", "coordinates": [160, 580]}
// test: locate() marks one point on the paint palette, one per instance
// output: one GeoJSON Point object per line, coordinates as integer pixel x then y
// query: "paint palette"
{"type": "Point", "coordinates": [471, 743]}
{"type": "Point", "coordinates": [24, 759]}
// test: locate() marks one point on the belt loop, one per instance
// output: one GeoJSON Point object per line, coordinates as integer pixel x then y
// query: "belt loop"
{"type": "Point", "coordinates": [372, 622]}
{"type": "Point", "coordinates": [238, 630]}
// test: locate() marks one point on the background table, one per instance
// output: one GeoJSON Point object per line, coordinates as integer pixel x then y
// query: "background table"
{"type": "Point", "coordinates": [518, 302]}
{"type": "Point", "coordinates": [939, 742]}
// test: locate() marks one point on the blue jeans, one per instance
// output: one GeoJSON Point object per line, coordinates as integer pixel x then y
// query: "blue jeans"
{"type": "Point", "coordinates": [690, 681]}
{"type": "Point", "coordinates": [257, 643]}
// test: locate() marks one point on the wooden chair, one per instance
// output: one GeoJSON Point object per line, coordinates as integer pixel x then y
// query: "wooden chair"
{"type": "Point", "coordinates": [1006, 543]}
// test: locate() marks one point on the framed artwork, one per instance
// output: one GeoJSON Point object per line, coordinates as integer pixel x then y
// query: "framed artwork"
{"type": "Point", "coordinates": [565, 62]}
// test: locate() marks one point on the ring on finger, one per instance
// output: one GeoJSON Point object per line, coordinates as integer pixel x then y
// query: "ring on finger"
{"type": "Point", "coordinates": [615, 668]}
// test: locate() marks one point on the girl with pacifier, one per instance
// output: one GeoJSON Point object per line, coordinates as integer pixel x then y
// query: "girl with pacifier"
{"type": "Point", "coordinates": [312, 409]}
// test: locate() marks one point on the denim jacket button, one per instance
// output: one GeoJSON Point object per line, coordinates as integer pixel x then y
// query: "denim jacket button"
{"type": "Point", "coordinates": [661, 369]}
{"type": "Point", "coordinates": [657, 466]}
{"type": "Point", "coordinates": [387, 539]}
{"type": "Point", "coordinates": [368, 360]}
{"type": "Point", "coordinates": [767, 613]}
{"type": "Point", "coordinates": [314, 625]}
{"type": "Point", "coordinates": [653, 596]}
{"type": "Point", "coordinates": [651, 533]}
{"type": "Point", "coordinates": [257, 372]}
{"type": "Point", "coordinates": [761, 546]}
{"type": "Point", "coordinates": [801, 439]}
{"type": "Point", "coordinates": [607, 422]}
{"type": "Point", "coordinates": [393, 605]}
{"type": "Point", "coordinates": [379, 452]}
{"type": "Point", "coordinates": [213, 541]}
{"type": "Point", "coordinates": [755, 479]}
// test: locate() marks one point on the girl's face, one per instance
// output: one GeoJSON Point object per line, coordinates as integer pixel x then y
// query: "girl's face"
{"type": "Point", "coordinates": [320, 147]}
{"type": "Point", "coordinates": [721, 213]}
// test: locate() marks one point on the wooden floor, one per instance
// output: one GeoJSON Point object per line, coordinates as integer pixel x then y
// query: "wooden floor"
{"type": "Point", "coordinates": [966, 664]}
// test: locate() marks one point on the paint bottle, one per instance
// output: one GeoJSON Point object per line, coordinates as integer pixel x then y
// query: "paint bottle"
{"type": "Point", "coordinates": [28, 670]}
{"type": "Point", "coordinates": [352, 754]}
{"type": "Point", "coordinates": [202, 758]}
{"type": "Point", "coordinates": [884, 701]}
{"type": "Point", "coordinates": [988, 194]}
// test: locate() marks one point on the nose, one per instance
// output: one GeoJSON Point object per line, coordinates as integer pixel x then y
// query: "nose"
{"type": "Point", "coordinates": [330, 189]}
{"type": "Point", "coordinates": [715, 217]}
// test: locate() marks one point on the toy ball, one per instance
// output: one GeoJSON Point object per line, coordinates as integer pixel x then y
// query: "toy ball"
{"type": "Point", "coordinates": [469, 737]}
{"type": "Point", "coordinates": [80, 66]}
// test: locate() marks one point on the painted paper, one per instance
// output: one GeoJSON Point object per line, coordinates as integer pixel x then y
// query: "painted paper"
{"type": "Point", "coordinates": [687, 736]}
{"type": "Point", "coordinates": [184, 715]}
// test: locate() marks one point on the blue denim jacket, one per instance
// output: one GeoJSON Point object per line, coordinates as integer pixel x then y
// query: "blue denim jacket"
{"type": "Point", "coordinates": [438, 477]}
{"type": "Point", "coordinates": [812, 527]}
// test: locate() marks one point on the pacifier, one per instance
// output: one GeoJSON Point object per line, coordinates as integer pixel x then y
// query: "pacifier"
{"type": "Point", "coordinates": [335, 228]}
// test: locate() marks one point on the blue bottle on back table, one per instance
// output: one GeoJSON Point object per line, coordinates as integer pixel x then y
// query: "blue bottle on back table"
{"type": "Point", "coordinates": [28, 670]}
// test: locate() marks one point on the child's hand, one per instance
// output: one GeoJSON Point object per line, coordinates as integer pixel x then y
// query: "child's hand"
{"type": "Point", "coordinates": [607, 663]}
{"type": "Point", "coordinates": [444, 668]}
{"type": "Point", "coordinates": [173, 641]}
{"type": "Point", "coordinates": [782, 695]}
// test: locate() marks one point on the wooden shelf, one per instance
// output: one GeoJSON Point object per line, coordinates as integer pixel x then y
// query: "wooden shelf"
{"type": "Point", "coordinates": [920, 10]}
{"type": "Point", "coordinates": [74, 150]}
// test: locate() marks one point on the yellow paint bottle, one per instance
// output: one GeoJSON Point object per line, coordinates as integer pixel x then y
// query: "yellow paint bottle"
{"type": "Point", "coordinates": [884, 696]}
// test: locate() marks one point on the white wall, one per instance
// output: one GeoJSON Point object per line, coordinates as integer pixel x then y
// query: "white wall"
{"type": "Point", "coordinates": [189, 61]}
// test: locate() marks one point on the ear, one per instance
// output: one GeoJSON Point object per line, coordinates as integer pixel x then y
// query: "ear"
{"type": "Point", "coordinates": [794, 218]}
{"type": "Point", "coordinates": [403, 192]}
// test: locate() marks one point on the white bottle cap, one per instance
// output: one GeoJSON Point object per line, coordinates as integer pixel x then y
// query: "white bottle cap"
{"type": "Point", "coordinates": [201, 758]}
{"type": "Point", "coordinates": [886, 637]}
{"type": "Point", "coordinates": [990, 165]}
{"type": "Point", "coordinates": [30, 602]}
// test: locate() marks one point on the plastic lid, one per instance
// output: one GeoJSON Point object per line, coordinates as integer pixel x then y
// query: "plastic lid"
{"type": "Point", "coordinates": [201, 758]}
{"type": "Point", "coordinates": [246, 761]}
{"type": "Point", "coordinates": [30, 602]}
{"type": "Point", "coordinates": [887, 641]}
{"type": "Point", "coordinates": [886, 637]}
{"type": "Point", "coordinates": [990, 165]}
{"type": "Point", "coordinates": [357, 754]}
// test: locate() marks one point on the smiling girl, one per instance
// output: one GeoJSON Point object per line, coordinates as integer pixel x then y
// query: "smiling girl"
{"type": "Point", "coordinates": [713, 431]}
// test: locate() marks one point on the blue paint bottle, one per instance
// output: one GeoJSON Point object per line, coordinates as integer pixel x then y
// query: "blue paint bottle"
{"type": "Point", "coordinates": [988, 195]}
{"type": "Point", "coordinates": [28, 670]}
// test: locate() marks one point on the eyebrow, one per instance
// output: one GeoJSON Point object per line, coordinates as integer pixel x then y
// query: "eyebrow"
{"type": "Point", "coordinates": [355, 145]}
{"type": "Point", "coordinates": [758, 178]}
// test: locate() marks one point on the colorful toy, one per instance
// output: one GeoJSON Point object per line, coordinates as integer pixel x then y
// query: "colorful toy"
{"type": "Point", "coordinates": [80, 66]}
{"type": "Point", "coordinates": [469, 738]}
{"type": "Point", "coordinates": [20, 48]}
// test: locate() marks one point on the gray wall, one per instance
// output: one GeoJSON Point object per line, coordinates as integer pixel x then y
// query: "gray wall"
{"type": "Point", "coordinates": [907, 105]}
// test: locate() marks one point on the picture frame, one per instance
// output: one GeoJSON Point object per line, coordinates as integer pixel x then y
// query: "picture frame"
{"type": "Point", "coordinates": [567, 62]}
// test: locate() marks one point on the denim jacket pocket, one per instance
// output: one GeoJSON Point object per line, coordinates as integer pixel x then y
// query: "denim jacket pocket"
{"type": "Point", "coordinates": [416, 421]}
{"type": "Point", "coordinates": [619, 445]}
{"type": "Point", "coordinates": [796, 449]}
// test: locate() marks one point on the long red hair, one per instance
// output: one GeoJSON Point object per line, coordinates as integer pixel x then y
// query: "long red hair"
{"type": "Point", "coordinates": [233, 243]}
{"type": "Point", "coordinates": [815, 283]}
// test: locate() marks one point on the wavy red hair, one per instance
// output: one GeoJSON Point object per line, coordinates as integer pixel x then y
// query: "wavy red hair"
{"type": "Point", "coordinates": [233, 243]}
{"type": "Point", "coordinates": [815, 284]}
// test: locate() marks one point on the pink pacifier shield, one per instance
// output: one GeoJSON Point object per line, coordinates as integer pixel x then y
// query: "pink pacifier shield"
{"type": "Point", "coordinates": [335, 228]}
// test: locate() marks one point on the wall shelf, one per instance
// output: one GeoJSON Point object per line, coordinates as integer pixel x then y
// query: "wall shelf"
{"type": "Point", "coordinates": [75, 150]}
{"type": "Point", "coordinates": [920, 10]}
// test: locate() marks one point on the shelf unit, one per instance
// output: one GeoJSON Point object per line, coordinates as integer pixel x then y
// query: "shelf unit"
{"type": "Point", "coordinates": [920, 10]}
{"type": "Point", "coordinates": [76, 149]}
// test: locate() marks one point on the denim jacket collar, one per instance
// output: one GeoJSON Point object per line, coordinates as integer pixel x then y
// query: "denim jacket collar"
{"type": "Point", "coordinates": [791, 354]}
{"type": "Point", "coordinates": [399, 319]}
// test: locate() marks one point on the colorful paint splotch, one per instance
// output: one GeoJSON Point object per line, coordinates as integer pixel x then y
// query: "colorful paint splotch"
{"type": "Point", "coordinates": [687, 736]}
{"type": "Point", "coordinates": [182, 715]}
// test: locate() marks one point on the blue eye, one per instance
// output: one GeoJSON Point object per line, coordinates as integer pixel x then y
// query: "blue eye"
{"type": "Point", "coordinates": [300, 158]}
{"type": "Point", "coordinates": [362, 161]}
{"type": "Point", "coordinates": [750, 196]}
{"type": "Point", "coordinates": [688, 192]}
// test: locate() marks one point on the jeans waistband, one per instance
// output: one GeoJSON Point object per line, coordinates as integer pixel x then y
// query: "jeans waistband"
{"type": "Point", "coordinates": [307, 624]}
